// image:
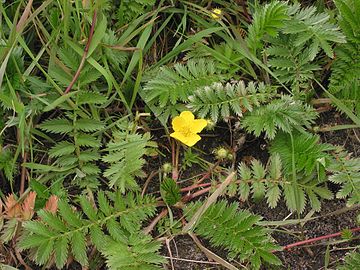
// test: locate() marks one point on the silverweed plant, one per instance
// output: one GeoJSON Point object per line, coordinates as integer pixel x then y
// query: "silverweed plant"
{"type": "Point", "coordinates": [126, 126]}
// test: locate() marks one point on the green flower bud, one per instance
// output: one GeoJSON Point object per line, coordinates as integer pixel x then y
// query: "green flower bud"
{"type": "Point", "coordinates": [221, 153]}
{"type": "Point", "coordinates": [167, 167]}
{"type": "Point", "coordinates": [210, 124]}
{"type": "Point", "coordinates": [230, 156]}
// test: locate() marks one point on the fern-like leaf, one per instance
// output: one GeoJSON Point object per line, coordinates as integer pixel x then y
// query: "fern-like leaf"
{"type": "Point", "coordinates": [306, 158]}
{"type": "Point", "coordinates": [140, 252]}
{"type": "Point", "coordinates": [346, 172]}
{"type": "Point", "coordinates": [268, 19]}
{"type": "Point", "coordinates": [173, 85]}
{"type": "Point", "coordinates": [291, 64]}
{"type": "Point", "coordinates": [284, 114]}
{"type": "Point", "coordinates": [68, 231]}
{"type": "Point", "coordinates": [125, 156]}
{"type": "Point", "coordinates": [313, 28]}
{"type": "Point", "coordinates": [352, 262]}
{"type": "Point", "coordinates": [306, 148]}
{"type": "Point", "coordinates": [58, 125]}
{"type": "Point", "coordinates": [224, 225]}
{"type": "Point", "coordinates": [345, 78]}
{"type": "Point", "coordinates": [220, 101]}
{"type": "Point", "coordinates": [262, 181]}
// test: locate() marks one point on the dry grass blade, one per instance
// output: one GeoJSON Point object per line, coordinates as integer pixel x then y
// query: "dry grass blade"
{"type": "Point", "coordinates": [24, 16]}
{"type": "Point", "coordinates": [211, 255]}
{"type": "Point", "coordinates": [188, 227]}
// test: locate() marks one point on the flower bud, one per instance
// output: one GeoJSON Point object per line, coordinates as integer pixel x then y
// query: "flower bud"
{"type": "Point", "coordinates": [230, 156]}
{"type": "Point", "coordinates": [221, 153]}
{"type": "Point", "coordinates": [167, 167]}
{"type": "Point", "coordinates": [210, 124]}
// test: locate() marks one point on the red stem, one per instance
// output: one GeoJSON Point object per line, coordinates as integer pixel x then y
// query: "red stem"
{"type": "Point", "coordinates": [153, 223]}
{"type": "Point", "coordinates": [308, 241]}
{"type": "Point", "coordinates": [83, 59]}
{"type": "Point", "coordinates": [189, 188]}
{"type": "Point", "coordinates": [23, 175]}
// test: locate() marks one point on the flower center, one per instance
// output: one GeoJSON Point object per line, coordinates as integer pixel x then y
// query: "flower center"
{"type": "Point", "coordinates": [186, 131]}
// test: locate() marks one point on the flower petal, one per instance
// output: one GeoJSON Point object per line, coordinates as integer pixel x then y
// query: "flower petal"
{"type": "Point", "coordinates": [187, 116]}
{"type": "Point", "coordinates": [179, 136]}
{"type": "Point", "coordinates": [198, 125]}
{"type": "Point", "coordinates": [177, 123]}
{"type": "Point", "coordinates": [188, 140]}
{"type": "Point", "coordinates": [192, 139]}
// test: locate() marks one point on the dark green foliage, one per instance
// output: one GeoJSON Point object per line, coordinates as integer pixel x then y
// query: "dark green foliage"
{"type": "Point", "coordinates": [235, 230]}
{"type": "Point", "coordinates": [292, 36]}
{"type": "Point", "coordinates": [131, 9]}
{"type": "Point", "coordinates": [261, 181]}
{"type": "Point", "coordinates": [349, 19]}
{"type": "Point", "coordinates": [346, 172]}
{"type": "Point", "coordinates": [64, 72]}
{"type": "Point", "coordinates": [78, 154]}
{"type": "Point", "coordinates": [68, 231]}
{"type": "Point", "coordinates": [272, 181]}
{"type": "Point", "coordinates": [171, 86]}
{"type": "Point", "coordinates": [219, 101]}
{"type": "Point", "coordinates": [6, 163]}
{"type": "Point", "coordinates": [225, 54]}
{"type": "Point", "coordinates": [313, 29]}
{"type": "Point", "coordinates": [267, 19]}
{"type": "Point", "coordinates": [115, 56]}
{"type": "Point", "coordinates": [305, 190]}
{"type": "Point", "coordinates": [291, 64]}
{"type": "Point", "coordinates": [170, 191]}
{"type": "Point", "coordinates": [285, 114]}
{"type": "Point", "coordinates": [306, 148]}
{"type": "Point", "coordinates": [345, 77]}
{"type": "Point", "coordinates": [125, 158]}
{"type": "Point", "coordinates": [305, 160]}
{"type": "Point", "coordinates": [139, 252]}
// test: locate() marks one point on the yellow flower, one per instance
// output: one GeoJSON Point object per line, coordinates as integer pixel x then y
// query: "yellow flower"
{"type": "Point", "coordinates": [216, 13]}
{"type": "Point", "coordinates": [186, 128]}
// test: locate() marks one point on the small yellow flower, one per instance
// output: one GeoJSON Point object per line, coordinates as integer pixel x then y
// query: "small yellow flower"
{"type": "Point", "coordinates": [186, 128]}
{"type": "Point", "coordinates": [216, 13]}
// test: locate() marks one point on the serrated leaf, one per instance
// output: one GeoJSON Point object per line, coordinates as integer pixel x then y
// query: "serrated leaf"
{"type": "Point", "coordinates": [258, 190]}
{"type": "Point", "coordinates": [58, 126]}
{"type": "Point", "coordinates": [244, 191]}
{"type": "Point", "coordinates": [314, 201]}
{"type": "Point", "coordinates": [61, 149]}
{"type": "Point", "coordinates": [294, 197]}
{"type": "Point", "coordinates": [58, 101]}
{"type": "Point", "coordinates": [269, 257]}
{"type": "Point", "coordinates": [44, 251]}
{"type": "Point", "coordinates": [78, 247]}
{"type": "Point", "coordinates": [87, 140]}
{"type": "Point", "coordinates": [170, 191]}
{"type": "Point", "coordinates": [61, 251]}
{"type": "Point", "coordinates": [88, 125]}
{"type": "Point", "coordinates": [88, 209]}
{"type": "Point", "coordinates": [323, 192]}
{"type": "Point", "coordinates": [69, 215]}
{"type": "Point", "coordinates": [53, 221]}
{"type": "Point", "coordinates": [90, 98]}
{"type": "Point", "coordinates": [273, 195]}
{"type": "Point", "coordinates": [9, 230]}
{"type": "Point", "coordinates": [345, 191]}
